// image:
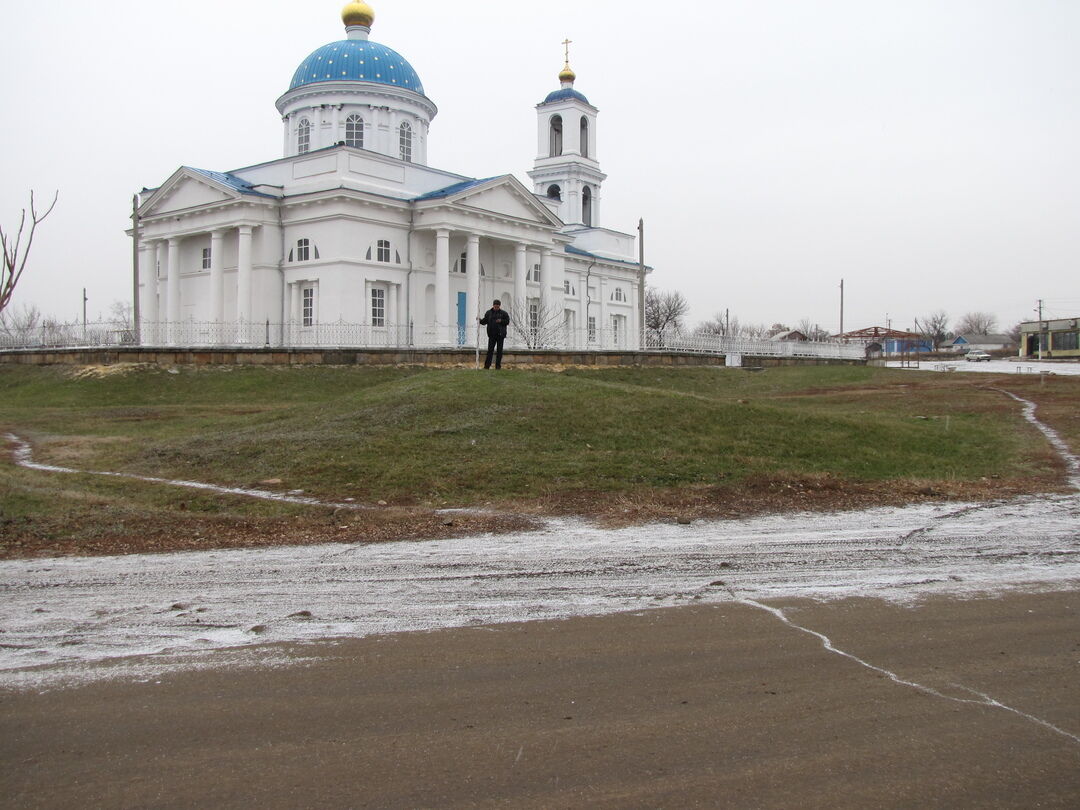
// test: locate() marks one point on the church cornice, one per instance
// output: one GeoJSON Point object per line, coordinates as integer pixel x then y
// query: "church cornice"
{"type": "Point", "coordinates": [450, 216]}
{"type": "Point", "coordinates": [365, 90]}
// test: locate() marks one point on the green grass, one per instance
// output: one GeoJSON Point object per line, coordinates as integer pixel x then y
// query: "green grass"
{"type": "Point", "coordinates": [462, 437]}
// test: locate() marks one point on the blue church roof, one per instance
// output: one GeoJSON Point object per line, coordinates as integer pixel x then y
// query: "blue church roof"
{"type": "Point", "coordinates": [564, 94]}
{"type": "Point", "coordinates": [230, 180]}
{"type": "Point", "coordinates": [464, 185]}
{"type": "Point", "coordinates": [357, 60]}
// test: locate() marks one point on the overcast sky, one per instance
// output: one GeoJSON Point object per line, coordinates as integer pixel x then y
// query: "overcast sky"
{"type": "Point", "coordinates": [925, 151]}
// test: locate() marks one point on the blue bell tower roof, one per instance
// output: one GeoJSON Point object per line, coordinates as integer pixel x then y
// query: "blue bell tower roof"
{"type": "Point", "coordinates": [564, 94]}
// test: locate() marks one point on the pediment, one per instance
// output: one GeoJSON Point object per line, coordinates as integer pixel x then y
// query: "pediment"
{"type": "Point", "coordinates": [184, 191]}
{"type": "Point", "coordinates": [505, 196]}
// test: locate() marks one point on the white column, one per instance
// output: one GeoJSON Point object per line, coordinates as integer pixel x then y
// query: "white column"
{"type": "Point", "coordinates": [148, 292]}
{"type": "Point", "coordinates": [294, 311]}
{"type": "Point", "coordinates": [286, 147]}
{"type": "Point", "coordinates": [583, 291]}
{"type": "Point", "coordinates": [521, 269]}
{"type": "Point", "coordinates": [442, 285]}
{"type": "Point", "coordinates": [217, 276]}
{"type": "Point", "coordinates": [162, 270]}
{"type": "Point", "coordinates": [519, 307]}
{"type": "Point", "coordinates": [472, 276]}
{"type": "Point", "coordinates": [174, 287]}
{"type": "Point", "coordinates": [243, 275]}
{"type": "Point", "coordinates": [602, 324]}
{"type": "Point", "coordinates": [335, 125]}
{"type": "Point", "coordinates": [392, 324]}
{"type": "Point", "coordinates": [546, 298]}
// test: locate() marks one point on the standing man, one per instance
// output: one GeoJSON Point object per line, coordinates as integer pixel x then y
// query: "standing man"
{"type": "Point", "coordinates": [496, 319]}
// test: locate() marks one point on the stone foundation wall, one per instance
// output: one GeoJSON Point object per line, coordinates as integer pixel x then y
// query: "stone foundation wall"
{"type": "Point", "coordinates": [379, 357]}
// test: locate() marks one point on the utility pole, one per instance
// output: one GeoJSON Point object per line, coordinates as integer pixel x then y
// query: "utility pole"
{"type": "Point", "coordinates": [841, 306]}
{"type": "Point", "coordinates": [1040, 329]}
{"type": "Point", "coordinates": [727, 322]}
{"type": "Point", "coordinates": [135, 314]}
{"type": "Point", "coordinates": [641, 284]}
{"type": "Point", "coordinates": [84, 300]}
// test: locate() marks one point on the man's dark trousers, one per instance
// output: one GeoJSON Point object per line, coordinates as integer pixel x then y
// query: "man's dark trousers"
{"type": "Point", "coordinates": [495, 346]}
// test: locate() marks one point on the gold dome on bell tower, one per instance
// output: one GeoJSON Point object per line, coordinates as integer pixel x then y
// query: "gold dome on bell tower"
{"type": "Point", "coordinates": [358, 13]}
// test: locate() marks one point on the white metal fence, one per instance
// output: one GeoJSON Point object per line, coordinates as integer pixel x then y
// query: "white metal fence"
{"type": "Point", "coordinates": [197, 334]}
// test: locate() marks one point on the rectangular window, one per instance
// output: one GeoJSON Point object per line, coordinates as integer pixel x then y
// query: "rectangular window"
{"type": "Point", "coordinates": [1064, 341]}
{"type": "Point", "coordinates": [383, 251]}
{"type": "Point", "coordinates": [303, 250]}
{"type": "Point", "coordinates": [378, 307]}
{"type": "Point", "coordinates": [534, 315]}
{"type": "Point", "coordinates": [534, 274]}
{"type": "Point", "coordinates": [308, 306]}
{"type": "Point", "coordinates": [592, 329]}
{"type": "Point", "coordinates": [206, 258]}
{"type": "Point", "coordinates": [615, 329]}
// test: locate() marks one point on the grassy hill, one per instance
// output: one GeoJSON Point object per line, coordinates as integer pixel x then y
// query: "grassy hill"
{"type": "Point", "coordinates": [638, 441]}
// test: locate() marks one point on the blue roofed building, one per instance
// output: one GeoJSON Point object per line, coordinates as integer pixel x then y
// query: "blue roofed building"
{"type": "Point", "coordinates": [352, 239]}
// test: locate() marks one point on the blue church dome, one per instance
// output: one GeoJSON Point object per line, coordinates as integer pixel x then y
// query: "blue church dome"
{"type": "Point", "coordinates": [357, 60]}
{"type": "Point", "coordinates": [564, 94]}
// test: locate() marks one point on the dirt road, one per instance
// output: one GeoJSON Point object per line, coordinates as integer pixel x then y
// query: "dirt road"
{"type": "Point", "coordinates": [702, 706]}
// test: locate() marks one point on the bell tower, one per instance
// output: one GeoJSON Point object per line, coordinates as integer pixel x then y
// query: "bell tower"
{"type": "Point", "coordinates": [566, 168]}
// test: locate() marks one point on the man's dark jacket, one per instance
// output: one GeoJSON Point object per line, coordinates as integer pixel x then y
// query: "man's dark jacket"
{"type": "Point", "coordinates": [496, 320]}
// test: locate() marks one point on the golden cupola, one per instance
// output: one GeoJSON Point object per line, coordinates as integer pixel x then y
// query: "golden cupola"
{"type": "Point", "coordinates": [358, 15]}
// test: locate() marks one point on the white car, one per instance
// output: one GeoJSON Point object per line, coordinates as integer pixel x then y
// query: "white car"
{"type": "Point", "coordinates": [976, 356]}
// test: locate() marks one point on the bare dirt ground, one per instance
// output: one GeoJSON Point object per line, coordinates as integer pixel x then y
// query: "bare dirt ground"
{"type": "Point", "coordinates": [193, 531]}
{"type": "Point", "coordinates": [704, 706]}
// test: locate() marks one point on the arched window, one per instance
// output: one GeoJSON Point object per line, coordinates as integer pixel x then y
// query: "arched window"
{"type": "Point", "coordinates": [461, 265]}
{"type": "Point", "coordinates": [556, 136]}
{"type": "Point", "coordinates": [405, 141]}
{"type": "Point", "coordinates": [586, 206]}
{"type": "Point", "coordinates": [383, 250]}
{"type": "Point", "coordinates": [303, 136]}
{"type": "Point", "coordinates": [618, 295]}
{"type": "Point", "coordinates": [354, 131]}
{"type": "Point", "coordinates": [554, 193]}
{"type": "Point", "coordinates": [584, 136]}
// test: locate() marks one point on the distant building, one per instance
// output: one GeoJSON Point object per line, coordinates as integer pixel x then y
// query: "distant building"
{"type": "Point", "coordinates": [880, 340]}
{"type": "Point", "coordinates": [1058, 338]}
{"type": "Point", "coordinates": [790, 334]}
{"type": "Point", "coordinates": [982, 343]}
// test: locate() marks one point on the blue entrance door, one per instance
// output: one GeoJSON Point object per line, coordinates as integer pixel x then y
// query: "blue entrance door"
{"type": "Point", "coordinates": [461, 298]}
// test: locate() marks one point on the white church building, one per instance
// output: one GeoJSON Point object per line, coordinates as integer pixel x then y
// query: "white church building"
{"type": "Point", "coordinates": [351, 239]}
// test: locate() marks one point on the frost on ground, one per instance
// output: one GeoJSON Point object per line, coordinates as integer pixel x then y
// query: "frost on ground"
{"type": "Point", "coordinates": [57, 616]}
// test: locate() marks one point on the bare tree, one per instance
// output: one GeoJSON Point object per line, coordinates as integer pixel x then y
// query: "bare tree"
{"type": "Point", "coordinates": [776, 329]}
{"type": "Point", "coordinates": [16, 322]}
{"type": "Point", "coordinates": [1014, 333]}
{"type": "Point", "coordinates": [534, 325]}
{"type": "Point", "coordinates": [16, 253]}
{"type": "Point", "coordinates": [756, 331]}
{"type": "Point", "coordinates": [812, 330]}
{"type": "Point", "coordinates": [664, 312]}
{"type": "Point", "coordinates": [716, 325]}
{"type": "Point", "coordinates": [935, 327]}
{"type": "Point", "coordinates": [121, 315]}
{"type": "Point", "coordinates": [976, 323]}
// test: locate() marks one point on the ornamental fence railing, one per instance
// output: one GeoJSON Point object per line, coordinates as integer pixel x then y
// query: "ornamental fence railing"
{"type": "Point", "coordinates": [342, 335]}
